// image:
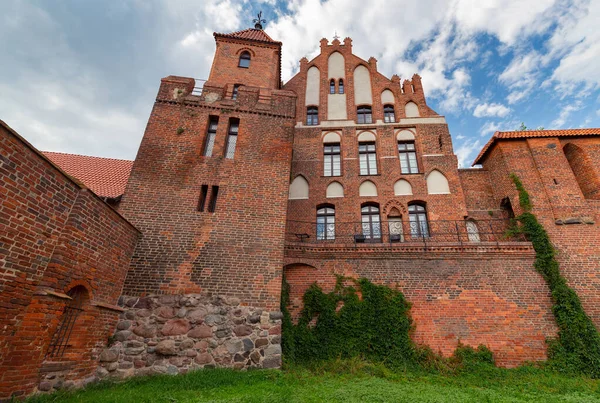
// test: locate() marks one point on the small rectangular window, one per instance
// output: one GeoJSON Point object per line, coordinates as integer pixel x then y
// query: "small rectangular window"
{"type": "Point", "coordinates": [232, 138]}
{"type": "Point", "coordinates": [213, 199]}
{"type": "Point", "coordinates": [234, 94]}
{"type": "Point", "coordinates": [202, 200]}
{"type": "Point", "coordinates": [331, 159]}
{"type": "Point", "coordinates": [367, 158]}
{"type": "Point", "coordinates": [210, 136]}
{"type": "Point", "coordinates": [408, 157]}
{"type": "Point", "coordinates": [312, 116]}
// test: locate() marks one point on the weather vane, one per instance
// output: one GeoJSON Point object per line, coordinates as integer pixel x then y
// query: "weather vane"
{"type": "Point", "coordinates": [335, 35]}
{"type": "Point", "coordinates": [259, 21]}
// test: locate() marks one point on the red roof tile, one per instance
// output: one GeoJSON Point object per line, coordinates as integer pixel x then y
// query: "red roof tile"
{"type": "Point", "coordinates": [106, 177]}
{"type": "Point", "coordinates": [523, 134]}
{"type": "Point", "coordinates": [250, 34]}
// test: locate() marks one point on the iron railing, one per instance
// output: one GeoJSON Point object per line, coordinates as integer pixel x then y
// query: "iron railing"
{"type": "Point", "coordinates": [400, 231]}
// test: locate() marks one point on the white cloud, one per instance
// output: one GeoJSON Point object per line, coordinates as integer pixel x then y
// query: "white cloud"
{"type": "Point", "coordinates": [565, 112]}
{"type": "Point", "coordinates": [466, 152]}
{"type": "Point", "coordinates": [490, 110]}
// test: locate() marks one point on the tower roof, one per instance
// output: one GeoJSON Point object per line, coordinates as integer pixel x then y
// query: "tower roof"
{"type": "Point", "coordinates": [251, 34]}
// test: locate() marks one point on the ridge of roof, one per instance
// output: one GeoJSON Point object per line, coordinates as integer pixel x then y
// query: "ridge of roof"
{"type": "Point", "coordinates": [252, 34]}
{"type": "Point", "coordinates": [523, 134]}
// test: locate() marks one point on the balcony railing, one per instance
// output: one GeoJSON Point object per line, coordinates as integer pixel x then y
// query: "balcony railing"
{"type": "Point", "coordinates": [397, 232]}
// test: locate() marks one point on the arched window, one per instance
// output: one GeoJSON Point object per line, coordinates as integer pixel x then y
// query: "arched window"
{"type": "Point", "coordinates": [312, 116]}
{"type": "Point", "coordinates": [332, 86]}
{"type": "Point", "coordinates": [417, 218]}
{"type": "Point", "coordinates": [326, 222]}
{"type": "Point", "coordinates": [388, 114]}
{"type": "Point", "coordinates": [244, 59]}
{"type": "Point", "coordinates": [472, 231]}
{"type": "Point", "coordinates": [371, 223]}
{"type": "Point", "coordinates": [341, 86]}
{"type": "Point", "coordinates": [364, 114]}
{"type": "Point", "coordinates": [60, 339]}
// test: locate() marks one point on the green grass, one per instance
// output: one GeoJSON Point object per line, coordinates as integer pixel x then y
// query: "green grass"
{"type": "Point", "coordinates": [344, 381]}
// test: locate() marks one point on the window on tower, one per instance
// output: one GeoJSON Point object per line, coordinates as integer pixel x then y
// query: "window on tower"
{"type": "Point", "coordinates": [244, 59]}
{"type": "Point", "coordinates": [232, 137]}
{"type": "Point", "coordinates": [209, 143]}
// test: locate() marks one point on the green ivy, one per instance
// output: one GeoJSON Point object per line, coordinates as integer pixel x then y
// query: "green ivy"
{"type": "Point", "coordinates": [363, 320]}
{"type": "Point", "coordinates": [577, 348]}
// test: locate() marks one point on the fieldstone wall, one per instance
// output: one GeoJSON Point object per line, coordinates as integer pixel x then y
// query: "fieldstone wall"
{"type": "Point", "coordinates": [172, 334]}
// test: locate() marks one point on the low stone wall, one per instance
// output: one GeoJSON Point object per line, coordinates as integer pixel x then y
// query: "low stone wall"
{"type": "Point", "coordinates": [173, 334]}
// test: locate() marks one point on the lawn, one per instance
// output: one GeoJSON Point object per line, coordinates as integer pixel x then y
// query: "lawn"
{"type": "Point", "coordinates": [343, 382]}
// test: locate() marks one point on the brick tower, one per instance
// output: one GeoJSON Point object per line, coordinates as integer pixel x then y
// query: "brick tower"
{"type": "Point", "coordinates": [209, 185]}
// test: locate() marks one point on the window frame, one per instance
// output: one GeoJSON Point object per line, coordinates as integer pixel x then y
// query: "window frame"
{"type": "Point", "coordinates": [330, 152]}
{"type": "Point", "coordinates": [332, 86]}
{"type": "Point", "coordinates": [232, 137]}
{"type": "Point", "coordinates": [326, 228]}
{"type": "Point", "coordinates": [370, 162]}
{"type": "Point", "coordinates": [407, 153]}
{"type": "Point", "coordinates": [312, 115]}
{"type": "Point", "coordinates": [245, 55]}
{"type": "Point", "coordinates": [340, 86]}
{"type": "Point", "coordinates": [371, 227]}
{"type": "Point", "coordinates": [389, 117]}
{"type": "Point", "coordinates": [418, 221]}
{"type": "Point", "coordinates": [361, 114]}
{"type": "Point", "coordinates": [211, 135]}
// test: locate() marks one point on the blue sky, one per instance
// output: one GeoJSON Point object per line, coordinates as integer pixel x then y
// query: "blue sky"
{"type": "Point", "coordinates": [81, 76]}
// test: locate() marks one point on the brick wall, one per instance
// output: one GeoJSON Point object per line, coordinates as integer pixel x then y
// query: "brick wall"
{"type": "Point", "coordinates": [557, 198]}
{"type": "Point", "coordinates": [54, 235]}
{"type": "Point", "coordinates": [492, 297]}
{"type": "Point", "coordinates": [236, 251]}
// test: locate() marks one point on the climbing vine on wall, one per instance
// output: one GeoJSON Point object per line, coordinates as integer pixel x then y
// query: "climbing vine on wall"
{"type": "Point", "coordinates": [360, 319]}
{"type": "Point", "coordinates": [577, 348]}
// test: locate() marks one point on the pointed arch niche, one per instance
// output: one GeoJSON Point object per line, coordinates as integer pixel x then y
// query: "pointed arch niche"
{"type": "Point", "coordinates": [437, 183]}
{"type": "Point", "coordinates": [334, 189]}
{"type": "Point", "coordinates": [362, 86]}
{"type": "Point", "coordinates": [367, 188]}
{"type": "Point", "coordinates": [411, 110]}
{"type": "Point", "coordinates": [298, 188]}
{"type": "Point", "coordinates": [313, 76]}
{"type": "Point", "coordinates": [584, 171]}
{"type": "Point", "coordinates": [402, 188]}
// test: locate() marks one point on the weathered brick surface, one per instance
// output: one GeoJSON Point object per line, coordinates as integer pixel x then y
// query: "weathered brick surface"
{"type": "Point", "coordinates": [544, 169]}
{"type": "Point", "coordinates": [54, 235]}
{"type": "Point", "coordinates": [238, 249]}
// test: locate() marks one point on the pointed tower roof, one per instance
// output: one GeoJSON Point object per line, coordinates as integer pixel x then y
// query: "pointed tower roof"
{"type": "Point", "coordinates": [251, 34]}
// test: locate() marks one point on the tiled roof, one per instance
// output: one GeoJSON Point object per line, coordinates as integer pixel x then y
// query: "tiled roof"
{"type": "Point", "coordinates": [252, 34]}
{"type": "Point", "coordinates": [106, 177]}
{"type": "Point", "coordinates": [523, 134]}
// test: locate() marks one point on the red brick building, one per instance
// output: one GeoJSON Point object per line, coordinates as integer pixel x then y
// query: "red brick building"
{"type": "Point", "coordinates": [247, 180]}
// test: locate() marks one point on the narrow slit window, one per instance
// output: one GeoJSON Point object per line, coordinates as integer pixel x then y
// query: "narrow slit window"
{"type": "Point", "coordinates": [202, 200]}
{"type": "Point", "coordinates": [332, 86]}
{"type": "Point", "coordinates": [213, 199]}
{"type": "Point", "coordinates": [232, 138]}
{"type": "Point", "coordinates": [210, 136]}
{"type": "Point", "coordinates": [341, 86]}
{"type": "Point", "coordinates": [234, 94]}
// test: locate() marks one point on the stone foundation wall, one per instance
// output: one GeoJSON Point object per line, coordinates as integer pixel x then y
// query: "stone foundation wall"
{"type": "Point", "coordinates": [176, 333]}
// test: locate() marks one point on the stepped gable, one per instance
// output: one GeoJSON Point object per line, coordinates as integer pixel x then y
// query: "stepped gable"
{"type": "Point", "coordinates": [523, 134]}
{"type": "Point", "coordinates": [107, 177]}
{"type": "Point", "coordinates": [251, 34]}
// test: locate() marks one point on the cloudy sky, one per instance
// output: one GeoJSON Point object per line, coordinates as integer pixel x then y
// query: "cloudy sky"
{"type": "Point", "coordinates": [80, 76]}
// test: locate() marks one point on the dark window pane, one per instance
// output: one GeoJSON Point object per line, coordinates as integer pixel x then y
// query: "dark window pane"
{"type": "Point", "coordinates": [244, 60]}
